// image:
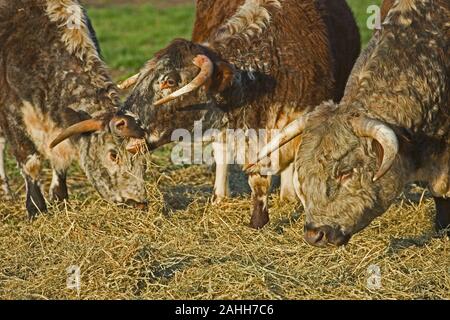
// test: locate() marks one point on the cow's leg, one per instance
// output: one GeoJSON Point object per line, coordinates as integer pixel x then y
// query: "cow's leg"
{"type": "Point", "coordinates": [31, 169]}
{"type": "Point", "coordinates": [221, 184]}
{"type": "Point", "coordinates": [287, 190]}
{"type": "Point", "coordinates": [3, 178]}
{"type": "Point", "coordinates": [29, 162]}
{"type": "Point", "coordinates": [260, 186]}
{"type": "Point", "coordinates": [442, 214]}
{"type": "Point", "coordinates": [58, 188]}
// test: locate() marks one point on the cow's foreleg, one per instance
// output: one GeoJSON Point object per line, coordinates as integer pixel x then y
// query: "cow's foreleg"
{"type": "Point", "coordinates": [287, 190]}
{"type": "Point", "coordinates": [260, 186]}
{"type": "Point", "coordinates": [31, 170]}
{"type": "Point", "coordinates": [58, 188]}
{"type": "Point", "coordinates": [3, 178]}
{"type": "Point", "coordinates": [442, 214]}
{"type": "Point", "coordinates": [221, 185]}
{"type": "Point", "coordinates": [28, 160]}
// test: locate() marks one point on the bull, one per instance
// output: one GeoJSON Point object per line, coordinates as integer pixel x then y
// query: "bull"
{"type": "Point", "coordinates": [391, 128]}
{"type": "Point", "coordinates": [57, 102]}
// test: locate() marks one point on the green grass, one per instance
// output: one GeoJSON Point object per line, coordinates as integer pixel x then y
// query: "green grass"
{"type": "Point", "coordinates": [359, 8]}
{"type": "Point", "coordinates": [130, 34]}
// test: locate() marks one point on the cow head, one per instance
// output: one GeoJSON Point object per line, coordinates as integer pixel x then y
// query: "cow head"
{"type": "Point", "coordinates": [176, 88]}
{"type": "Point", "coordinates": [115, 173]}
{"type": "Point", "coordinates": [347, 171]}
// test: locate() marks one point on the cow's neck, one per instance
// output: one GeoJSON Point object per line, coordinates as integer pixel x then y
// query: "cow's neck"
{"type": "Point", "coordinates": [248, 87]}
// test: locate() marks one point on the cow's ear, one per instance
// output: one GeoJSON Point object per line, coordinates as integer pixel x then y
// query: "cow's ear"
{"type": "Point", "coordinates": [126, 126]}
{"type": "Point", "coordinates": [223, 76]}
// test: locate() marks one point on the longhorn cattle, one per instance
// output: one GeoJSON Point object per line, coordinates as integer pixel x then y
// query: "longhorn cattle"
{"type": "Point", "coordinates": [57, 101]}
{"type": "Point", "coordinates": [391, 128]}
{"type": "Point", "coordinates": [253, 64]}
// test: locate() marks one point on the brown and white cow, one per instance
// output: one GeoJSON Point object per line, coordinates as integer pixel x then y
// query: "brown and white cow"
{"type": "Point", "coordinates": [391, 128]}
{"type": "Point", "coordinates": [260, 65]}
{"type": "Point", "coordinates": [57, 101]}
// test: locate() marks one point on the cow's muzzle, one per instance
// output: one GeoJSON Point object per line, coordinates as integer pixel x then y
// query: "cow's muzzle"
{"type": "Point", "coordinates": [325, 235]}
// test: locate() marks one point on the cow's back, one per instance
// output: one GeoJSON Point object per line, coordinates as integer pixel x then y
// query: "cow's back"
{"type": "Point", "coordinates": [403, 74]}
{"type": "Point", "coordinates": [210, 15]}
{"type": "Point", "coordinates": [295, 50]}
{"type": "Point", "coordinates": [29, 44]}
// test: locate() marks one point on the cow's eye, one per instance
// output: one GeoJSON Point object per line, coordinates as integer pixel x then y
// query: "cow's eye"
{"type": "Point", "coordinates": [168, 83]}
{"type": "Point", "coordinates": [114, 156]}
{"type": "Point", "coordinates": [171, 82]}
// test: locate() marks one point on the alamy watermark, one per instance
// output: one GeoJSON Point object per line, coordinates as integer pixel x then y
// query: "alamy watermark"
{"type": "Point", "coordinates": [374, 20]}
{"type": "Point", "coordinates": [230, 146]}
{"type": "Point", "coordinates": [73, 281]}
{"type": "Point", "coordinates": [374, 277]}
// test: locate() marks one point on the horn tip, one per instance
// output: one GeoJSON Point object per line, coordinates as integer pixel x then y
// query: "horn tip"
{"type": "Point", "coordinates": [123, 86]}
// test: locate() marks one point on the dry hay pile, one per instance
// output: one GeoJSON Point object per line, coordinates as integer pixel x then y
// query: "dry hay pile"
{"type": "Point", "coordinates": [184, 247]}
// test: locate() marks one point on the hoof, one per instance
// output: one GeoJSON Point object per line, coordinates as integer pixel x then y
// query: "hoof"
{"type": "Point", "coordinates": [5, 192]}
{"type": "Point", "coordinates": [291, 198]}
{"type": "Point", "coordinates": [442, 219]}
{"type": "Point", "coordinates": [35, 202]}
{"type": "Point", "coordinates": [260, 216]}
{"type": "Point", "coordinates": [217, 200]}
{"type": "Point", "coordinates": [259, 222]}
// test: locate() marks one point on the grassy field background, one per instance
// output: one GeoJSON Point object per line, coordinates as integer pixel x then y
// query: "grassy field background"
{"type": "Point", "coordinates": [130, 34]}
{"type": "Point", "coordinates": [184, 247]}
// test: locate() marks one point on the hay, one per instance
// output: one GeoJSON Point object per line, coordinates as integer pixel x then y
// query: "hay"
{"type": "Point", "coordinates": [184, 247]}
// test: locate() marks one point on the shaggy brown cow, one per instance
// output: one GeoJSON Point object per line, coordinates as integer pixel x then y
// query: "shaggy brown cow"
{"type": "Point", "coordinates": [260, 65]}
{"type": "Point", "coordinates": [51, 78]}
{"type": "Point", "coordinates": [391, 128]}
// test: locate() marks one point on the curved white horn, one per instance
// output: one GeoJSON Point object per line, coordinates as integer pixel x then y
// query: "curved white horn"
{"type": "Point", "coordinates": [287, 134]}
{"type": "Point", "coordinates": [206, 70]}
{"type": "Point", "coordinates": [385, 136]}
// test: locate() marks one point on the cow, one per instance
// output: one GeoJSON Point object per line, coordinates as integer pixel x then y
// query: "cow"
{"type": "Point", "coordinates": [253, 64]}
{"type": "Point", "coordinates": [391, 128]}
{"type": "Point", "coordinates": [58, 102]}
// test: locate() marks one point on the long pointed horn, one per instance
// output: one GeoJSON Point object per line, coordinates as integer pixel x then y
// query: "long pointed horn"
{"type": "Point", "coordinates": [90, 125]}
{"type": "Point", "coordinates": [206, 70]}
{"type": "Point", "coordinates": [384, 135]}
{"type": "Point", "coordinates": [286, 135]}
{"type": "Point", "coordinates": [129, 82]}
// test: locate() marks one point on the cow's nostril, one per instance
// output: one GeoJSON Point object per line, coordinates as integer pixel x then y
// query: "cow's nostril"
{"type": "Point", "coordinates": [324, 235]}
{"type": "Point", "coordinates": [319, 236]}
{"type": "Point", "coordinates": [315, 237]}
